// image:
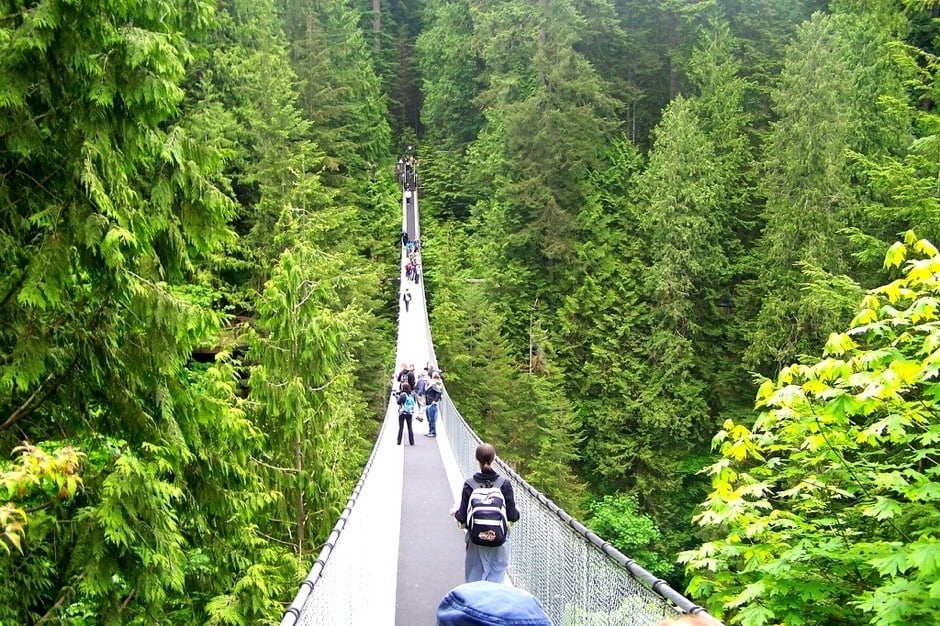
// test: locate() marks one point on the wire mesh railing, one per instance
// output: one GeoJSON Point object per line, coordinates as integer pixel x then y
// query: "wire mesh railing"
{"type": "Point", "coordinates": [359, 553]}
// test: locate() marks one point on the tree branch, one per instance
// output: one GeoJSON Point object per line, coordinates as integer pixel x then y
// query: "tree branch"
{"type": "Point", "coordinates": [32, 403]}
{"type": "Point", "coordinates": [127, 600]}
{"type": "Point", "coordinates": [55, 607]}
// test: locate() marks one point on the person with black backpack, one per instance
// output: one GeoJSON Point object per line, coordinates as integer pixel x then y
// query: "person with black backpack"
{"type": "Point", "coordinates": [487, 509]}
{"type": "Point", "coordinates": [406, 375]}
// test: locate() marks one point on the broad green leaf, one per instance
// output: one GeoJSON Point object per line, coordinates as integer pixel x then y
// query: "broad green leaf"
{"type": "Point", "coordinates": [896, 254]}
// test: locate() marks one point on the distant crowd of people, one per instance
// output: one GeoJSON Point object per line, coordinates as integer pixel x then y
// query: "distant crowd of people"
{"type": "Point", "coordinates": [417, 396]}
{"type": "Point", "coordinates": [406, 171]}
{"type": "Point", "coordinates": [413, 254]}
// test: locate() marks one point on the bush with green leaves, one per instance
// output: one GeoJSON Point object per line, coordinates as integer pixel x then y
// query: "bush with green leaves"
{"type": "Point", "coordinates": [825, 509]}
{"type": "Point", "coordinates": [618, 519]}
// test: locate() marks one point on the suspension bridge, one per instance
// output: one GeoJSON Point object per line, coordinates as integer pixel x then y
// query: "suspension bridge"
{"type": "Point", "coordinates": [396, 551]}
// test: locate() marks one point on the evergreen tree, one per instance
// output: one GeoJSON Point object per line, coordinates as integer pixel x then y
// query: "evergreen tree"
{"type": "Point", "coordinates": [546, 119]}
{"type": "Point", "coordinates": [341, 94]}
{"type": "Point", "coordinates": [249, 87]}
{"type": "Point", "coordinates": [720, 107]}
{"type": "Point", "coordinates": [112, 203]}
{"type": "Point", "coordinates": [518, 409]}
{"type": "Point", "coordinates": [601, 324]}
{"type": "Point", "coordinates": [301, 383]}
{"type": "Point", "coordinates": [448, 63]}
{"type": "Point", "coordinates": [394, 26]}
{"type": "Point", "coordinates": [341, 97]}
{"type": "Point", "coordinates": [827, 103]}
{"type": "Point", "coordinates": [902, 189]}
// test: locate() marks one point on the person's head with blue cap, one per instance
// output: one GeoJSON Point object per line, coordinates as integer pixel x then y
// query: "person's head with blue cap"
{"type": "Point", "coordinates": [484, 603]}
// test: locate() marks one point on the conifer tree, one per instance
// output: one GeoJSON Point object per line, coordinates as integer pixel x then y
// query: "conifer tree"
{"type": "Point", "coordinates": [449, 113]}
{"type": "Point", "coordinates": [113, 203]}
{"type": "Point", "coordinates": [721, 108]}
{"type": "Point", "coordinates": [251, 91]}
{"type": "Point", "coordinates": [602, 322]}
{"type": "Point", "coordinates": [519, 407]}
{"type": "Point", "coordinates": [341, 97]}
{"type": "Point", "coordinates": [301, 382]}
{"type": "Point", "coordinates": [828, 104]}
{"type": "Point", "coordinates": [547, 112]}
{"type": "Point", "coordinates": [341, 94]}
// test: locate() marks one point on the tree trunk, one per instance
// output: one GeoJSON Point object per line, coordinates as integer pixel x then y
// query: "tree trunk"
{"type": "Point", "coordinates": [376, 24]}
{"type": "Point", "coordinates": [298, 465]}
{"type": "Point", "coordinates": [673, 47]}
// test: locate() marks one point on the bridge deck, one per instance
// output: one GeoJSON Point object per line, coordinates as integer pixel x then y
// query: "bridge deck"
{"type": "Point", "coordinates": [431, 547]}
{"type": "Point", "coordinates": [395, 551]}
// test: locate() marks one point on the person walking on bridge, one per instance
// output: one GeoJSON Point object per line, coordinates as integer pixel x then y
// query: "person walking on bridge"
{"type": "Point", "coordinates": [433, 392]}
{"type": "Point", "coordinates": [486, 562]}
{"type": "Point", "coordinates": [406, 410]}
{"type": "Point", "coordinates": [406, 298]}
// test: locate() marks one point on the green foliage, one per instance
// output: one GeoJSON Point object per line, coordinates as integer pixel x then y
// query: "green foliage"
{"type": "Point", "coordinates": [903, 189]}
{"type": "Point", "coordinates": [825, 510]}
{"type": "Point", "coordinates": [122, 129]}
{"type": "Point", "coordinates": [828, 102]}
{"type": "Point", "coordinates": [449, 64]}
{"type": "Point", "coordinates": [520, 407]}
{"type": "Point", "coordinates": [340, 92]}
{"type": "Point", "coordinates": [163, 164]}
{"type": "Point", "coordinates": [301, 382]}
{"type": "Point", "coordinates": [37, 481]}
{"type": "Point", "coordinates": [247, 90]}
{"type": "Point", "coordinates": [618, 520]}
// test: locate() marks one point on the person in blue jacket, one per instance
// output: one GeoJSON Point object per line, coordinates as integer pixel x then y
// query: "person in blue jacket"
{"type": "Point", "coordinates": [484, 603]}
{"type": "Point", "coordinates": [406, 410]}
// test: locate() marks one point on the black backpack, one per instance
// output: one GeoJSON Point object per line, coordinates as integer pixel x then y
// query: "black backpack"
{"type": "Point", "coordinates": [487, 524]}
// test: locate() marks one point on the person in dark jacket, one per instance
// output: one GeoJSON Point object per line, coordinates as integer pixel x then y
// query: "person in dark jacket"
{"type": "Point", "coordinates": [406, 375]}
{"type": "Point", "coordinates": [486, 562]}
{"type": "Point", "coordinates": [433, 392]}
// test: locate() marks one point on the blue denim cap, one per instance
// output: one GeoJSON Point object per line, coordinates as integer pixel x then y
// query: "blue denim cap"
{"type": "Point", "coordinates": [484, 603]}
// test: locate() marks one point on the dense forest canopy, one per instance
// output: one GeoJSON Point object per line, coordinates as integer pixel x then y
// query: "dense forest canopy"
{"type": "Point", "coordinates": [639, 216]}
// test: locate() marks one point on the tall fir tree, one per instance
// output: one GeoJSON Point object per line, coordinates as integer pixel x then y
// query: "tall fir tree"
{"type": "Point", "coordinates": [827, 103]}
{"type": "Point", "coordinates": [450, 114]}
{"type": "Point", "coordinates": [721, 106]}
{"type": "Point", "coordinates": [115, 203]}
{"type": "Point", "coordinates": [547, 114]}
